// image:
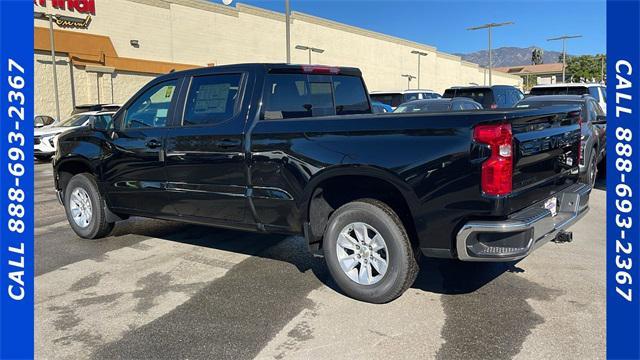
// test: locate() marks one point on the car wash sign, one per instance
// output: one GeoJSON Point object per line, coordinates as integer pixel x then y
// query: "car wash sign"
{"type": "Point", "coordinates": [82, 7]}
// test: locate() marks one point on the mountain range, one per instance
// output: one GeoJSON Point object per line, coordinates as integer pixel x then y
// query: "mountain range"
{"type": "Point", "coordinates": [510, 56]}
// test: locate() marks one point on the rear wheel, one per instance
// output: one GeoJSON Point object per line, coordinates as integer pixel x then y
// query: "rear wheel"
{"type": "Point", "coordinates": [368, 251]}
{"type": "Point", "coordinates": [83, 206]}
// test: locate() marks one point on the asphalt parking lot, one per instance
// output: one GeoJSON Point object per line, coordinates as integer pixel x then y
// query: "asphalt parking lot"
{"type": "Point", "coordinates": [164, 290]}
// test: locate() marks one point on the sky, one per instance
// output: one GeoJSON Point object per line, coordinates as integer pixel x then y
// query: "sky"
{"type": "Point", "coordinates": [443, 24]}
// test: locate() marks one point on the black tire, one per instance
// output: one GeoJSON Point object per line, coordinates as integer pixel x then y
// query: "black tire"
{"type": "Point", "coordinates": [402, 265]}
{"type": "Point", "coordinates": [591, 174]}
{"type": "Point", "coordinates": [98, 226]}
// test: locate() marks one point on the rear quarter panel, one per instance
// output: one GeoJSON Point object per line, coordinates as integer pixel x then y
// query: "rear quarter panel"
{"type": "Point", "coordinates": [426, 157]}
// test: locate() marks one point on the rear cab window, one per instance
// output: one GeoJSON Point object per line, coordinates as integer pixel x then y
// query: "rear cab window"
{"type": "Point", "coordinates": [290, 96]}
{"type": "Point", "coordinates": [481, 96]}
{"type": "Point", "coordinates": [559, 90]}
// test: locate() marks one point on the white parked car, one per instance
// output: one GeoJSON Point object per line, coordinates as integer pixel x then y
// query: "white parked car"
{"type": "Point", "coordinates": [45, 138]}
{"type": "Point", "coordinates": [395, 98]}
{"type": "Point", "coordinates": [598, 91]}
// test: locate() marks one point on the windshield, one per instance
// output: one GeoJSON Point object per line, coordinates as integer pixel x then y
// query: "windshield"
{"type": "Point", "coordinates": [560, 90]}
{"type": "Point", "coordinates": [75, 120]}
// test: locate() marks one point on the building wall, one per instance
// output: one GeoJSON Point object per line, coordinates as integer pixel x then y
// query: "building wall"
{"type": "Point", "coordinates": [201, 32]}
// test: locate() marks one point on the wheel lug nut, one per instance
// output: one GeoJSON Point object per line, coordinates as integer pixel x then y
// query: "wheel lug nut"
{"type": "Point", "coordinates": [357, 247]}
{"type": "Point", "coordinates": [358, 256]}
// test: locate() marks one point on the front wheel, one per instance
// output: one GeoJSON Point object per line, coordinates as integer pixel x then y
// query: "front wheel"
{"type": "Point", "coordinates": [591, 173]}
{"type": "Point", "coordinates": [82, 203]}
{"type": "Point", "coordinates": [368, 251]}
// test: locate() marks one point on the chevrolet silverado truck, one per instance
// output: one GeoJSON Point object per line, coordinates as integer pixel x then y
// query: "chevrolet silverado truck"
{"type": "Point", "coordinates": [295, 149]}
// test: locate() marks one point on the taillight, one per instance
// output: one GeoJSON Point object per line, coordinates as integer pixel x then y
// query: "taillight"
{"type": "Point", "coordinates": [494, 106]}
{"type": "Point", "coordinates": [315, 69]}
{"type": "Point", "coordinates": [497, 171]}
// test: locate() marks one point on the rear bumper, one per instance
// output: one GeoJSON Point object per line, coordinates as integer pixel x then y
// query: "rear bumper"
{"type": "Point", "coordinates": [522, 232]}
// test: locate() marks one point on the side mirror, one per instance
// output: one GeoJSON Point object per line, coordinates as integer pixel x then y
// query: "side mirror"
{"type": "Point", "coordinates": [41, 121]}
{"type": "Point", "coordinates": [601, 119]}
{"type": "Point", "coordinates": [98, 124]}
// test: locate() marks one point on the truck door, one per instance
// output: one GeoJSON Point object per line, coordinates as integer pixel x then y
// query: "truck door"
{"type": "Point", "coordinates": [133, 173]}
{"type": "Point", "coordinates": [204, 155]}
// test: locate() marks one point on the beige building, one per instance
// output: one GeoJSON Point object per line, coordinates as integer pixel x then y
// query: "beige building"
{"type": "Point", "coordinates": [108, 49]}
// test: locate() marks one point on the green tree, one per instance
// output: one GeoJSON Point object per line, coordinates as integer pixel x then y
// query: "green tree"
{"type": "Point", "coordinates": [586, 67]}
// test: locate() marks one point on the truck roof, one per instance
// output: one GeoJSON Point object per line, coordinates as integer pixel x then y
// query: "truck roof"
{"type": "Point", "coordinates": [402, 91]}
{"type": "Point", "coordinates": [270, 68]}
{"type": "Point", "coordinates": [567, 85]}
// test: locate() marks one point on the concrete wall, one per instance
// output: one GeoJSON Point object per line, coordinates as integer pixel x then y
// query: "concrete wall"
{"type": "Point", "coordinates": [202, 32]}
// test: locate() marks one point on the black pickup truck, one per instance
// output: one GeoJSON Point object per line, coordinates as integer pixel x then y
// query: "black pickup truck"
{"type": "Point", "coordinates": [295, 149]}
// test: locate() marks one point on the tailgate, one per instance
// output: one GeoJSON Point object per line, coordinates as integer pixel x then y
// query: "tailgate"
{"type": "Point", "coordinates": [546, 144]}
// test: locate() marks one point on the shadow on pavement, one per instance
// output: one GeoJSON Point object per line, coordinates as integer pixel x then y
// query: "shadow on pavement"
{"type": "Point", "coordinates": [449, 276]}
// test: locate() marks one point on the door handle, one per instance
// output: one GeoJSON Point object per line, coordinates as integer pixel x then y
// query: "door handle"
{"type": "Point", "coordinates": [227, 143]}
{"type": "Point", "coordinates": [153, 143]}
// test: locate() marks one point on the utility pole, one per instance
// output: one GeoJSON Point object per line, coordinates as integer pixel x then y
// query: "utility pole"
{"type": "Point", "coordinates": [287, 16]}
{"type": "Point", "coordinates": [564, 51]}
{"type": "Point", "coordinates": [52, 44]}
{"type": "Point", "coordinates": [420, 54]}
{"type": "Point", "coordinates": [55, 71]}
{"type": "Point", "coordinates": [489, 27]}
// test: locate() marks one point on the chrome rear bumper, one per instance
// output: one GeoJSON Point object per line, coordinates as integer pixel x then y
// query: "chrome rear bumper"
{"type": "Point", "coordinates": [524, 231]}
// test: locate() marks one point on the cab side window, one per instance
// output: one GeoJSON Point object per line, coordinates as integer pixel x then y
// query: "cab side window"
{"type": "Point", "coordinates": [594, 91]}
{"type": "Point", "coordinates": [151, 109]}
{"type": "Point", "coordinates": [286, 96]}
{"type": "Point", "coordinates": [212, 99]}
{"type": "Point", "coordinates": [591, 110]}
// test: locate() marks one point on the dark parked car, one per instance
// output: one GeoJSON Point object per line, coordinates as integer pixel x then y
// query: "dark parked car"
{"type": "Point", "coordinates": [395, 98]}
{"type": "Point", "coordinates": [295, 149]}
{"type": "Point", "coordinates": [490, 97]}
{"type": "Point", "coordinates": [598, 91]}
{"type": "Point", "coordinates": [594, 129]}
{"type": "Point", "coordinates": [438, 105]}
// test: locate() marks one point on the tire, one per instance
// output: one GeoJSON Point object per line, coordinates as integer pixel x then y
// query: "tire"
{"type": "Point", "coordinates": [377, 217]}
{"type": "Point", "coordinates": [80, 193]}
{"type": "Point", "coordinates": [591, 174]}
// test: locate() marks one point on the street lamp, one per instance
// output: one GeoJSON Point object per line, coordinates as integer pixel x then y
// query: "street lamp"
{"type": "Point", "coordinates": [564, 50]}
{"type": "Point", "coordinates": [420, 54]}
{"type": "Point", "coordinates": [490, 26]}
{"type": "Point", "coordinates": [409, 78]}
{"type": "Point", "coordinates": [41, 15]}
{"type": "Point", "coordinates": [309, 49]}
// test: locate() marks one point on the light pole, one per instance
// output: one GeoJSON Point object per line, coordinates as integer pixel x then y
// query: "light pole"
{"type": "Point", "coordinates": [564, 50]}
{"type": "Point", "coordinates": [490, 26]}
{"type": "Point", "coordinates": [52, 44]}
{"type": "Point", "coordinates": [420, 54]}
{"type": "Point", "coordinates": [409, 78]}
{"type": "Point", "coordinates": [287, 15]}
{"type": "Point", "coordinates": [310, 49]}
